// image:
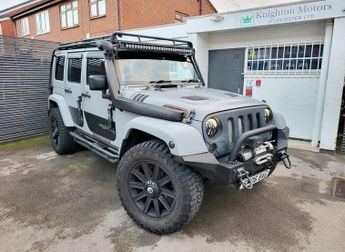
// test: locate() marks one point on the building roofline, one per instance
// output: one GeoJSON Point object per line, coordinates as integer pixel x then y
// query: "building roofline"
{"type": "Point", "coordinates": [33, 8]}
{"type": "Point", "coordinates": [3, 13]}
{"type": "Point", "coordinates": [257, 8]}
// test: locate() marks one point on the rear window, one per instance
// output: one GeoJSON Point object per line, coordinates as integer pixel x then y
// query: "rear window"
{"type": "Point", "coordinates": [74, 70]}
{"type": "Point", "coordinates": [59, 67]}
{"type": "Point", "coordinates": [94, 67]}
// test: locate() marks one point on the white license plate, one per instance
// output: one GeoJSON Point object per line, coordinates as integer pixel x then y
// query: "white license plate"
{"type": "Point", "coordinates": [256, 178]}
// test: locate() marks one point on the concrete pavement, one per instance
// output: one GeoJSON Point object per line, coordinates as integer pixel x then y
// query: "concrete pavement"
{"type": "Point", "coordinates": [69, 203]}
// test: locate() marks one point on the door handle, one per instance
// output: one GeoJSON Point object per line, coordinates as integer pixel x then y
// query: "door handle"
{"type": "Point", "coordinates": [86, 95]}
{"type": "Point", "coordinates": [68, 90]}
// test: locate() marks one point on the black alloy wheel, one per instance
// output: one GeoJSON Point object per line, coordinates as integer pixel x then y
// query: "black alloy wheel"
{"type": "Point", "coordinates": [59, 134]}
{"type": "Point", "coordinates": [158, 193]}
{"type": "Point", "coordinates": [151, 189]}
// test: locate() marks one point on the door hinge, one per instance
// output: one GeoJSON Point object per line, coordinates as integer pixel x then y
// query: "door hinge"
{"type": "Point", "coordinates": [111, 124]}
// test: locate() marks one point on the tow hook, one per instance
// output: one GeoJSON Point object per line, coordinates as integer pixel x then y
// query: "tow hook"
{"type": "Point", "coordinates": [286, 159]}
{"type": "Point", "coordinates": [244, 178]}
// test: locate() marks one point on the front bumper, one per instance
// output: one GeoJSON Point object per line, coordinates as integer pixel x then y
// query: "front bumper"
{"type": "Point", "coordinates": [224, 171]}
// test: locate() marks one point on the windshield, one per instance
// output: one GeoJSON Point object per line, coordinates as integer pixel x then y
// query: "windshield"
{"type": "Point", "coordinates": [155, 70]}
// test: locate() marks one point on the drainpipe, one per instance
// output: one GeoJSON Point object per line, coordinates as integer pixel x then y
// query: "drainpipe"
{"type": "Point", "coordinates": [322, 85]}
{"type": "Point", "coordinates": [200, 7]}
{"type": "Point", "coordinates": [118, 15]}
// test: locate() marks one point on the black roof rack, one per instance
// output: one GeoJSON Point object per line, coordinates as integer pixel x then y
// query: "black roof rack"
{"type": "Point", "coordinates": [135, 42]}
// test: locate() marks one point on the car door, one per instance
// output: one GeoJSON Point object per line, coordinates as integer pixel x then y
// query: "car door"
{"type": "Point", "coordinates": [98, 111]}
{"type": "Point", "coordinates": [73, 87]}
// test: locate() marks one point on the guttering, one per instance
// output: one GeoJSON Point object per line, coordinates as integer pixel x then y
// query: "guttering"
{"type": "Point", "coordinates": [34, 9]}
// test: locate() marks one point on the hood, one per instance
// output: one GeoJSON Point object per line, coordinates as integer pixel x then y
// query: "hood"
{"type": "Point", "coordinates": [204, 101]}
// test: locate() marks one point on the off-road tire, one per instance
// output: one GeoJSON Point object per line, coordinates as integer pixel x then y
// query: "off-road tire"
{"type": "Point", "coordinates": [65, 144]}
{"type": "Point", "coordinates": [188, 187]}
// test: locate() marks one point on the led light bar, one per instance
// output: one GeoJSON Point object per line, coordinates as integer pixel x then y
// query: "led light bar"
{"type": "Point", "coordinates": [157, 48]}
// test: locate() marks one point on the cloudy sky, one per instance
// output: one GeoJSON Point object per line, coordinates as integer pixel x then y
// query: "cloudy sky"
{"type": "Point", "coordinates": [221, 5]}
{"type": "Point", "coordinates": [8, 3]}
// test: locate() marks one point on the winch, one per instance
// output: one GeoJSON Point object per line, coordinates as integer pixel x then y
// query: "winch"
{"type": "Point", "coordinates": [249, 153]}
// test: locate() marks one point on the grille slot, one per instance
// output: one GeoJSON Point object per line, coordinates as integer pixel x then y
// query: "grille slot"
{"type": "Point", "coordinates": [230, 130]}
{"type": "Point", "coordinates": [242, 123]}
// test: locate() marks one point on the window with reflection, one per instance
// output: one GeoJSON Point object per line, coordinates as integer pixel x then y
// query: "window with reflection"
{"type": "Point", "coordinates": [285, 58]}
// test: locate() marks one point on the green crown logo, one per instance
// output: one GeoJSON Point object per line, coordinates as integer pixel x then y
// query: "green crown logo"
{"type": "Point", "coordinates": [247, 20]}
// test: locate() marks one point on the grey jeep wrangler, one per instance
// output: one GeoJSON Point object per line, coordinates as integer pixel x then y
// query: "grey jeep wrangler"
{"type": "Point", "coordinates": [140, 101]}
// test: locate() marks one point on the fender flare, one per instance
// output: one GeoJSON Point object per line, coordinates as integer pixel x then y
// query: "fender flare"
{"type": "Point", "coordinates": [279, 120]}
{"type": "Point", "coordinates": [187, 139]}
{"type": "Point", "coordinates": [64, 111]}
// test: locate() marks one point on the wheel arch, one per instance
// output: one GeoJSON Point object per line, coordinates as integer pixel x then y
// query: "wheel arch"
{"type": "Point", "coordinates": [186, 139]}
{"type": "Point", "coordinates": [135, 137]}
{"type": "Point", "coordinates": [58, 101]}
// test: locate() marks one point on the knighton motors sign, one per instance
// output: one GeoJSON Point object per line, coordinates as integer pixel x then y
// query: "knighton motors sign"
{"type": "Point", "coordinates": [291, 13]}
{"type": "Point", "coordinates": [301, 12]}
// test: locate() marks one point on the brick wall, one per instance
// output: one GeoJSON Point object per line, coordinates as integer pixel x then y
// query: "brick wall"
{"type": "Point", "coordinates": [94, 27]}
{"type": "Point", "coordinates": [7, 28]}
{"type": "Point", "coordinates": [143, 13]}
{"type": "Point", "coordinates": [134, 14]}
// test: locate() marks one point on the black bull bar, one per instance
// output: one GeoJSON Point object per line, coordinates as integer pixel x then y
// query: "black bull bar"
{"type": "Point", "coordinates": [224, 171]}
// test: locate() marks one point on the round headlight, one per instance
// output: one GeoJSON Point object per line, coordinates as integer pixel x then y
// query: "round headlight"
{"type": "Point", "coordinates": [212, 126]}
{"type": "Point", "coordinates": [268, 114]}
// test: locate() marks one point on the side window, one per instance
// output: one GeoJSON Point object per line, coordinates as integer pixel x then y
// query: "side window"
{"type": "Point", "coordinates": [59, 67]}
{"type": "Point", "coordinates": [94, 67]}
{"type": "Point", "coordinates": [74, 70]}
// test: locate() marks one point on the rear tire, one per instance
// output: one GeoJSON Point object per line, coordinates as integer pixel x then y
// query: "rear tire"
{"type": "Point", "coordinates": [60, 138]}
{"type": "Point", "coordinates": [158, 193]}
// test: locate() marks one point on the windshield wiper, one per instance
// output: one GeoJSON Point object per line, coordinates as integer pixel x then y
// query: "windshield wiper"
{"type": "Point", "coordinates": [190, 80]}
{"type": "Point", "coordinates": [160, 81]}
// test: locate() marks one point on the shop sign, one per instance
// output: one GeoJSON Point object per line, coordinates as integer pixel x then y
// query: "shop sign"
{"type": "Point", "coordinates": [302, 12]}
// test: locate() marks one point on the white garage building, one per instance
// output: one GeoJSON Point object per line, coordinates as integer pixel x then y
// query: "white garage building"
{"type": "Point", "coordinates": [292, 56]}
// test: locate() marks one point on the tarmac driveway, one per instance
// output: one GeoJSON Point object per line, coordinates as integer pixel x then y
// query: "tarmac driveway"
{"type": "Point", "coordinates": [69, 203]}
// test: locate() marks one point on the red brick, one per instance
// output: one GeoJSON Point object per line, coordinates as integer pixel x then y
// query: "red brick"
{"type": "Point", "coordinates": [133, 14]}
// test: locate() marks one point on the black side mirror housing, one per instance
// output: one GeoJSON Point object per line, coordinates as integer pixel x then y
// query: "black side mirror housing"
{"type": "Point", "coordinates": [98, 82]}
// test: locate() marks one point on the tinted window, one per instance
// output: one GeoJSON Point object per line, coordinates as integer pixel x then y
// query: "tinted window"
{"type": "Point", "coordinates": [94, 67]}
{"type": "Point", "coordinates": [59, 68]}
{"type": "Point", "coordinates": [74, 70]}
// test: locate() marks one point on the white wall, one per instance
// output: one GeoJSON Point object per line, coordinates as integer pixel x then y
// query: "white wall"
{"type": "Point", "coordinates": [295, 98]}
{"type": "Point", "coordinates": [262, 35]}
{"type": "Point", "coordinates": [334, 87]}
{"type": "Point", "coordinates": [200, 43]}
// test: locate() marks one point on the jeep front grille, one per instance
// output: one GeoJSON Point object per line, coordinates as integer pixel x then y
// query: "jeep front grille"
{"type": "Point", "coordinates": [234, 123]}
{"type": "Point", "coordinates": [240, 124]}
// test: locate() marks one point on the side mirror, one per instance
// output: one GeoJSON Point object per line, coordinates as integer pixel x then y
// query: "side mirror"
{"type": "Point", "coordinates": [98, 82]}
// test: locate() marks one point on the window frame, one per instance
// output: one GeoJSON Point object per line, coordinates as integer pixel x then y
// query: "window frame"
{"type": "Point", "coordinates": [26, 19]}
{"type": "Point", "coordinates": [69, 66]}
{"type": "Point", "coordinates": [87, 67]}
{"type": "Point", "coordinates": [56, 64]}
{"type": "Point", "coordinates": [91, 2]}
{"type": "Point", "coordinates": [39, 30]}
{"type": "Point", "coordinates": [65, 12]}
{"type": "Point", "coordinates": [286, 57]}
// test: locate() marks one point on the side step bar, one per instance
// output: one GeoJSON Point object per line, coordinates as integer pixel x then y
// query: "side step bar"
{"type": "Point", "coordinates": [92, 144]}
